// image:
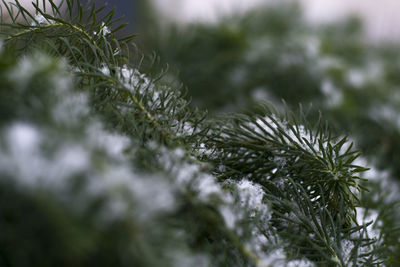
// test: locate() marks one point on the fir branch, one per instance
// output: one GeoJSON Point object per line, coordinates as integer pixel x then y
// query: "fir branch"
{"type": "Point", "coordinates": [313, 172]}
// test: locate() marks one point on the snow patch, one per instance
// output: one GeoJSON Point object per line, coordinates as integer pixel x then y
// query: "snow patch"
{"type": "Point", "coordinates": [333, 95]}
{"type": "Point", "coordinates": [104, 30]}
{"type": "Point", "coordinates": [369, 216]}
{"type": "Point", "coordinates": [39, 20]}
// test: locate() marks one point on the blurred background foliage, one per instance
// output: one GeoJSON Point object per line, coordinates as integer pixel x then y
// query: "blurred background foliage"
{"type": "Point", "coordinates": [272, 54]}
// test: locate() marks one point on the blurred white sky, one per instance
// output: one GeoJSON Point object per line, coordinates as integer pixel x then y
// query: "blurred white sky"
{"type": "Point", "coordinates": [381, 17]}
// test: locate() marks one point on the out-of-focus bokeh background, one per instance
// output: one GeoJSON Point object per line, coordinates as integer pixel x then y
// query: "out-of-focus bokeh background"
{"type": "Point", "coordinates": [380, 17]}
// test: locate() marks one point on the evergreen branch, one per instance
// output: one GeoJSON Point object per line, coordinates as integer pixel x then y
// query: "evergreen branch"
{"type": "Point", "coordinates": [242, 145]}
{"type": "Point", "coordinates": [58, 22]}
{"type": "Point", "coordinates": [37, 29]}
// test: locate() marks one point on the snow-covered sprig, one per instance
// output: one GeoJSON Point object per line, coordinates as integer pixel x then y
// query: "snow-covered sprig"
{"type": "Point", "coordinates": [39, 19]}
{"type": "Point", "coordinates": [137, 96]}
{"type": "Point", "coordinates": [272, 151]}
{"type": "Point", "coordinates": [271, 148]}
{"type": "Point", "coordinates": [332, 241]}
{"type": "Point", "coordinates": [104, 30]}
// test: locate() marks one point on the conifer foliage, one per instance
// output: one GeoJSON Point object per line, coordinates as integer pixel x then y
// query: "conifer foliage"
{"type": "Point", "coordinates": [104, 163]}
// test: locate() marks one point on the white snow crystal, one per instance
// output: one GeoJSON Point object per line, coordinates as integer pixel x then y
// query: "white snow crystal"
{"type": "Point", "coordinates": [265, 124]}
{"type": "Point", "coordinates": [276, 258]}
{"type": "Point", "coordinates": [29, 66]}
{"type": "Point", "coordinates": [333, 95]}
{"type": "Point", "coordinates": [41, 20]}
{"type": "Point", "coordinates": [250, 193]}
{"type": "Point", "coordinates": [154, 194]}
{"type": "Point", "coordinates": [300, 263]}
{"type": "Point", "coordinates": [135, 81]}
{"type": "Point", "coordinates": [357, 77]}
{"type": "Point", "coordinates": [104, 69]}
{"type": "Point", "coordinates": [347, 248]}
{"type": "Point", "coordinates": [104, 30]}
{"type": "Point", "coordinates": [390, 114]}
{"type": "Point", "coordinates": [205, 150]}
{"type": "Point", "coordinates": [274, 126]}
{"type": "Point", "coordinates": [112, 143]}
{"type": "Point", "coordinates": [261, 94]}
{"type": "Point", "coordinates": [184, 258]}
{"type": "Point", "coordinates": [250, 199]}
{"type": "Point", "coordinates": [207, 185]}
{"type": "Point", "coordinates": [280, 161]}
{"type": "Point", "coordinates": [364, 216]}
{"type": "Point", "coordinates": [312, 46]}
{"type": "Point", "coordinates": [22, 157]}
{"type": "Point", "coordinates": [328, 62]}
{"type": "Point", "coordinates": [229, 215]}
{"type": "Point", "coordinates": [23, 138]}
{"type": "Point", "coordinates": [71, 159]}
{"type": "Point", "coordinates": [71, 109]}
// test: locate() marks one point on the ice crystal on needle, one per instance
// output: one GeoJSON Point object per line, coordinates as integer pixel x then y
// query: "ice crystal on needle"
{"type": "Point", "coordinates": [39, 19]}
